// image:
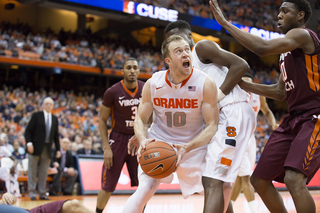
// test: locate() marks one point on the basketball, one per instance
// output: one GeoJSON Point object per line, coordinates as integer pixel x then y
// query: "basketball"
{"type": "Point", "coordinates": [158, 160]}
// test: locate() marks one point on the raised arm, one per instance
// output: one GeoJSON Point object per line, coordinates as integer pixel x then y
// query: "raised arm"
{"type": "Point", "coordinates": [210, 52]}
{"type": "Point", "coordinates": [274, 91]}
{"type": "Point", "coordinates": [295, 38]}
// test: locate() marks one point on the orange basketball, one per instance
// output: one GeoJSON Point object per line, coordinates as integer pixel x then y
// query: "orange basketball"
{"type": "Point", "coordinates": [158, 160]}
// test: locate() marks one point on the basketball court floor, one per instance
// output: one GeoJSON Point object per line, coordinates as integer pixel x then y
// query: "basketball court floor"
{"type": "Point", "coordinates": [168, 203]}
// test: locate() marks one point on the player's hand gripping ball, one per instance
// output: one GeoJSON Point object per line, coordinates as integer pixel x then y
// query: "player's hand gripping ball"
{"type": "Point", "coordinates": [158, 160]}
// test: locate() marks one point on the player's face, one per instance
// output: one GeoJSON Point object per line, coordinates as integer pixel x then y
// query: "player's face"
{"type": "Point", "coordinates": [179, 59]}
{"type": "Point", "coordinates": [186, 34]}
{"type": "Point", "coordinates": [288, 17]}
{"type": "Point", "coordinates": [131, 70]}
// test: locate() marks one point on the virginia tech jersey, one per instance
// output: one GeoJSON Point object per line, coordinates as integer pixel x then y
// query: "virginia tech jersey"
{"type": "Point", "coordinates": [300, 72]}
{"type": "Point", "coordinates": [177, 114]}
{"type": "Point", "coordinates": [124, 106]}
{"type": "Point", "coordinates": [218, 74]}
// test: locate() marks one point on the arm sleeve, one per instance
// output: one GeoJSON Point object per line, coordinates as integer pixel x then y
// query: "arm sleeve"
{"type": "Point", "coordinates": [108, 98]}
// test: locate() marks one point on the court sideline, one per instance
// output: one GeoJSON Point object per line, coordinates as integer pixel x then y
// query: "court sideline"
{"type": "Point", "coordinates": [169, 203]}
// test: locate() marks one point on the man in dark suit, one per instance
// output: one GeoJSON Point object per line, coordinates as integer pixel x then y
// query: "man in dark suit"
{"type": "Point", "coordinates": [87, 148]}
{"type": "Point", "coordinates": [65, 168]}
{"type": "Point", "coordinates": [41, 131]}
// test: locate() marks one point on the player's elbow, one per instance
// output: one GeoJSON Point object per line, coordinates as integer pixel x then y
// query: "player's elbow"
{"type": "Point", "coordinates": [261, 50]}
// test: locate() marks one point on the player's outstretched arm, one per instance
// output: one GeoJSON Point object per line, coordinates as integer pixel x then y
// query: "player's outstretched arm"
{"type": "Point", "coordinates": [274, 91]}
{"type": "Point", "coordinates": [295, 38]}
{"type": "Point", "coordinates": [210, 52]}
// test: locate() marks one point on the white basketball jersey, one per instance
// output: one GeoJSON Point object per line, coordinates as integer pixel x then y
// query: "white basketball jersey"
{"type": "Point", "coordinates": [255, 103]}
{"type": "Point", "coordinates": [218, 74]}
{"type": "Point", "coordinates": [177, 114]}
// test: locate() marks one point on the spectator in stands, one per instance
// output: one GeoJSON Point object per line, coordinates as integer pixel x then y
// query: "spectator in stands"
{"type": "Point", "coordinates": [87, 148]}
{"type": "Point", "coordinates": [9, 174]}
{"type": "Point", "coordinates": [73, 148]}
{"type": "Point", "coordinates": [65, 167]}
{"type": "Point", "coordinates": [17, 150]}
{"type": "Point", "coordinates": [40, 133]}
{"type": "Point", "coordinates": [97, 148]}
{"type": "Point", "coordinates": [4, 138]}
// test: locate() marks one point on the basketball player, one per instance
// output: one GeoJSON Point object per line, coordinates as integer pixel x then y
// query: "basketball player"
{"type": "Point", "coordinates": [243, 180]}
{"type": "Point", "coordinates": [236, 117]}
{"type": "Point", "coordinates": [121, 101]}
{"type": "Point", "coordinates": [183, 100]}
{"type": "Point", "coordinates": [292, 154]}
{"type": "Point", "coordinates": [61, 206]}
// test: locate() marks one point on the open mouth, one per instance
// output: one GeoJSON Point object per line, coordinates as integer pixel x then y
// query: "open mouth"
{"type": "Point", "coordinates": [186, 64]}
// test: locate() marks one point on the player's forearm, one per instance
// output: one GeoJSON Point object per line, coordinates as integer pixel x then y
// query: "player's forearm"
{"type": "Point", "coordinates": [103, 128]}
{"type": "Point", "coordinates": [270, 91]}
{"type": "Point", "coordinates": [140, 129]}
{"type": "Point", "coordinates": [271, 119]}
{"type": "Point", "coordinates": [203, 138]}
{"type": "Point", "coordinates": [253, 43]}
{"type": "Point", "coordinates": [234, 75]}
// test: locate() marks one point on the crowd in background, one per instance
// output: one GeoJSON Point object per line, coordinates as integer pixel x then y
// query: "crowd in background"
{"type": "Point", "coordinates": [18, 40]}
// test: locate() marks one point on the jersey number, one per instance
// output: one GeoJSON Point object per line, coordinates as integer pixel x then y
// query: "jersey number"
{"type": "Point", "coordinates": [134, 110]}
{"type": "Point", "coordinates": [283, 71]}
{"type": "Point", "coordinates": [178, 118]}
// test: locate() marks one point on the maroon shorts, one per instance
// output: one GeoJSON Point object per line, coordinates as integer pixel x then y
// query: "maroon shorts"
{"type": "Point", "coordinates": [119, 146]}
{"type": "Point", "coordinates": [53, 207]}
{"type": "Point", "coordinates": [295, 144]}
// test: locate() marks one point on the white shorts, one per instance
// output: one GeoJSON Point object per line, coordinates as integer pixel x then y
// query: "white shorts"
{"type": "Point", "coordinates": [249, 158]}
{"type": "Point", "coordinates": [189, 172]}
{"type": "Point", "coordinates": [226, 149]}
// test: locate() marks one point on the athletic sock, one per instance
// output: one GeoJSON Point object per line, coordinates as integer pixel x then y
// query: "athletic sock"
{"type": "Point", "coordinates": [99, 210]}
{"type": "Point", "coordinates": [232, 202]}
{"type": "Point", "coordinates": [253, 206]}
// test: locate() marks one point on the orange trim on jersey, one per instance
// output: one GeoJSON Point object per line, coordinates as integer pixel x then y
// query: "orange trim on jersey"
{"type": "Point", "coordinates": [113, 122]}
{"type": "Point", "coordinates": [313, 73]}
{"type": "Point", "coordinates": [226, 161]}
{"type": "Point", "coordinates": [132, 94]}
{"type": "Point", "coordinates": [166, 78]}
{"type": "Point", "coordinates": [313, 146]}
{"type": "Point", "coordinates": [183, 82]}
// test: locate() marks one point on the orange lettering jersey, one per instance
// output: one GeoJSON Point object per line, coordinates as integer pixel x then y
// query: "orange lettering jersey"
{"type": "Point", "coordinates": [177, 114]}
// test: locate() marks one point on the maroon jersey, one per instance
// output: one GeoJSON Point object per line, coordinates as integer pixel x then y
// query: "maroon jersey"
{"type": "Point", "coordinates": [124, 105]}
{"type": "Point", "coordinates": [300, 73]}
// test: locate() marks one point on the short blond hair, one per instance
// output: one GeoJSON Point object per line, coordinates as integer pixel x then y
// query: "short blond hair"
{"type": "Point", "coordinates": [165, 44]}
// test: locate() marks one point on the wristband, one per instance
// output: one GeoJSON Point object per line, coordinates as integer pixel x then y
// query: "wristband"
{"type": "Point", "coordinates": [29, 144]}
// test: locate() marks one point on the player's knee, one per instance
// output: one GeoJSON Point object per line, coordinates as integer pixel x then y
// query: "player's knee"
{"type": "Point", "coordinates": [75, 205]}
{"type": "Point", "coordinates": [294, 180]}
{"type": "Point", "coordinates": [254, 181]}
{"type": "Point", "coordinates": [210, 183]}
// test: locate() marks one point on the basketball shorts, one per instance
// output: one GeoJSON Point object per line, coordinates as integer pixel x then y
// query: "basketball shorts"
{"type": "Point", "coordinates": [119, 147]}
{"type": "Point", "coordinates": [225, 151]}
{"type": "Point", "coordinates": [294, 144]}
{"type": "Point", "coordinates": [249, 158]}
{"type": "Point", "coordinates": [188, 172]}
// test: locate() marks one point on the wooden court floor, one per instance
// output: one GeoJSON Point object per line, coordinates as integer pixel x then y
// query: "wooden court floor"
{"type": "Point", "coordinates": [168, 203]}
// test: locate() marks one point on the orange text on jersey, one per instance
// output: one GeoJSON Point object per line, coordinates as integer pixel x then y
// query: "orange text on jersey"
{"type": "Point", "coordinates": [174, 103]}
